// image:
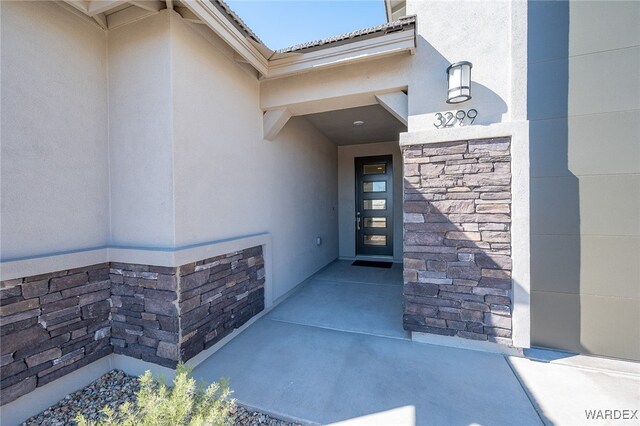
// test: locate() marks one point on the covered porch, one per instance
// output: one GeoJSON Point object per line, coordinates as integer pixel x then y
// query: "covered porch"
{"type": "Point", "coordinates": [335, 350]}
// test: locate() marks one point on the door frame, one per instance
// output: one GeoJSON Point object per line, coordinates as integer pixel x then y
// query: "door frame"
{"type": "Point", "coordinates": [375, 251]}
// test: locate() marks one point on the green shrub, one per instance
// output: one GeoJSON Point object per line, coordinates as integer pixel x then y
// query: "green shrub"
{"type": "Point", "coordinates": [185, 403]}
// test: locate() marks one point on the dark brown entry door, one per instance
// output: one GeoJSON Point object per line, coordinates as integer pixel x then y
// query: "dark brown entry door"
{"type": "Point", "coordinates": [374, 205]}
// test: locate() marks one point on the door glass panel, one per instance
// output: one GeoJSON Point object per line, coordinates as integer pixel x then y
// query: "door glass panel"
{"type": "Point", "coordinates": [374, 169]}
{"type": "Point", "coordinates": [375, 204]}
{"type": "Point", "coordinates": [375, 222]}
{"type": "Point", "coordinates": [375, 240]}
{"type": "Point", "coordinates": [374, 186]}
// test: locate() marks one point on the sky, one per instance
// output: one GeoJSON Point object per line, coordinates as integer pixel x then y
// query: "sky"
{"type": "Point", "coordinates": [283, 23]}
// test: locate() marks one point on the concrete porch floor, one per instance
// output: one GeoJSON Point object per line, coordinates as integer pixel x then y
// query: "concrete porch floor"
{"type": "Point", "coordinates": [335, 351]}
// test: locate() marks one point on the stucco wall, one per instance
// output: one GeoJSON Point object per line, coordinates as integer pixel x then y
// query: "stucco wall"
{"type": "Point", "coordinates": [584, 108]}
{"type": "Point", "coordinates": [479, 32]}
{"type": "Point", "coordinates": [140, 134]}
{"type": "Point", "coordinates": [230, 182]}
{"type": "Point", "coordinates": [347, 194]}
{"type": "Point", "coordinates": [54, 168]}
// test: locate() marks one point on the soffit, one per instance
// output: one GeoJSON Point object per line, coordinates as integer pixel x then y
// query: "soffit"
{"type": "Point", "coordinates": [337, 125]}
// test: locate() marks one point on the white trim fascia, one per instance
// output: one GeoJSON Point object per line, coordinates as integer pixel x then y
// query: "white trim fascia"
{"type": "Point", "coordinates": [520, 216]}
{"type": "Point", "coordinates": [221, 25]}
{"type": "Point", "coordinates": [372, 48]}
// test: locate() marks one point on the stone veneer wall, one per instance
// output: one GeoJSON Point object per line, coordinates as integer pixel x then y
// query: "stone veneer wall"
{"type": "Point", "coordinates": [145, 312]}
{"type": "Point", "coordinates": [51, 325]}
{"type": "Point", "coordinates": [218, 295]}
{"type": "Point", "coordinates": [55, 323]}
{"type": "Point", "coordinates": [457, 239]}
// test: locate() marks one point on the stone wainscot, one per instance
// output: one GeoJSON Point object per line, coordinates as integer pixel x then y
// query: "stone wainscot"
{"type": "Point", "coordinates": [55, 323]}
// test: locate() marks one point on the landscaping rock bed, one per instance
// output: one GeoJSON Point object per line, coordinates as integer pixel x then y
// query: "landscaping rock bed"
{"type": "Point", "coordinates": [113, 389]}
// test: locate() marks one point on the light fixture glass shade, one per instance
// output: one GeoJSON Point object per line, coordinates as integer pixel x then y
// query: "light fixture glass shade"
{"type": "Point", "coordinates": [459, 78]}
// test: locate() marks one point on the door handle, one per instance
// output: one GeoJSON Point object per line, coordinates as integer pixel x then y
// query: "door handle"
{"type": "Point", "coordinates": [358, 221]}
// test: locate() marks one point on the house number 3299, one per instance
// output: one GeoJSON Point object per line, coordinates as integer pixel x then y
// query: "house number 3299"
{"type": "Point", "coordinates": [449, 119]}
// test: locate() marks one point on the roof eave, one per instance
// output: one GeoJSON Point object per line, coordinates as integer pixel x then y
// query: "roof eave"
{"type": "Point", "coordinates": [275, 65]}
{"type": "Point", "coordinates": [357, 51]}
{"type": "Point", "coordinates": [220, 23]}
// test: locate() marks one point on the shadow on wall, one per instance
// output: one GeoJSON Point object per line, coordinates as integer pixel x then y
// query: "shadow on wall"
{"type": "Point", "coordinates": [457, 248]}
{"type": "Point", "coordinates": [490, 105]}
{"type": "Point", "coordinates": [555, 202]}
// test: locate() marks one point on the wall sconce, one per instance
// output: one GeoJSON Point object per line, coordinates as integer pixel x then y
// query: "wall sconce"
{"type": "Point", "coordinates": [459, 78]}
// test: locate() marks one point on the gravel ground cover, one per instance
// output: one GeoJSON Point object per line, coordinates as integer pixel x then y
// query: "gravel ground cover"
{"type": "Point", "coordinates": [113, 389]}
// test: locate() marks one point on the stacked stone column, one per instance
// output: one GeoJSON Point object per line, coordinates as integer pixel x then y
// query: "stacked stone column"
{"type": "Point", "coordinates": [457, 239]}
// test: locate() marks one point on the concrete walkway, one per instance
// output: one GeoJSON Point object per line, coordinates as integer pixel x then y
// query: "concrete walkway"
{"type": "Point", "coordinates": [335, 351]}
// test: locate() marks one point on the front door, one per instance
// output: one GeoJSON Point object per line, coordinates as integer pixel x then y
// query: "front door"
{"type": "Point", "coordinates": [374, 206]}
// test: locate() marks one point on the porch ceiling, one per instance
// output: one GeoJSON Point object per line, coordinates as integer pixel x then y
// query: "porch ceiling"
{"type": "Point", "coordinates": [379, 125]}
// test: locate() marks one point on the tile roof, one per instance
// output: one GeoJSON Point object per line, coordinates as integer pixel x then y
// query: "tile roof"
{"type": "Point", "coordinates": [389, 27]}
{"type": "Point", "coordinates": [236, 20]}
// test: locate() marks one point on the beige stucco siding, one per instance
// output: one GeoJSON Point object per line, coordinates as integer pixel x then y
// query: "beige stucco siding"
{"type": "Point", "coordinates": [584, 107]}
{"type": "Point", "coordinates": [140, 138]}
{"type": "Point", "coordinates": [54, 168]}
{"type": "Point", "coordinates": [479, 32]}
{"type": "Point", "coordinates": [229, 181]}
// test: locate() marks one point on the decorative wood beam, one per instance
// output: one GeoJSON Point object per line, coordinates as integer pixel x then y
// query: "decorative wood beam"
{"type": "Point", "coordinates": [188, 15]}
{"type": "Point", "coordinates": [273, 121]}
{"type": "Point", "coordinates": [397, 103]}
{"type": "Point", "coordinates": [101, 20]}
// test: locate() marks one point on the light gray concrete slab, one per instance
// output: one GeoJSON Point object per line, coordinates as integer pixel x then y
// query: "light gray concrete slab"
{"type": "Point", "coordinates": [362, 308]}
{"type": "Point", "coordinates": [326, 376]}
{"type": "Point", "coordinates": [565, 394]}
{"type": "Point", "coordinates": [342, 270]}
{"type": "Point", "coordinates": [611, 365]}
